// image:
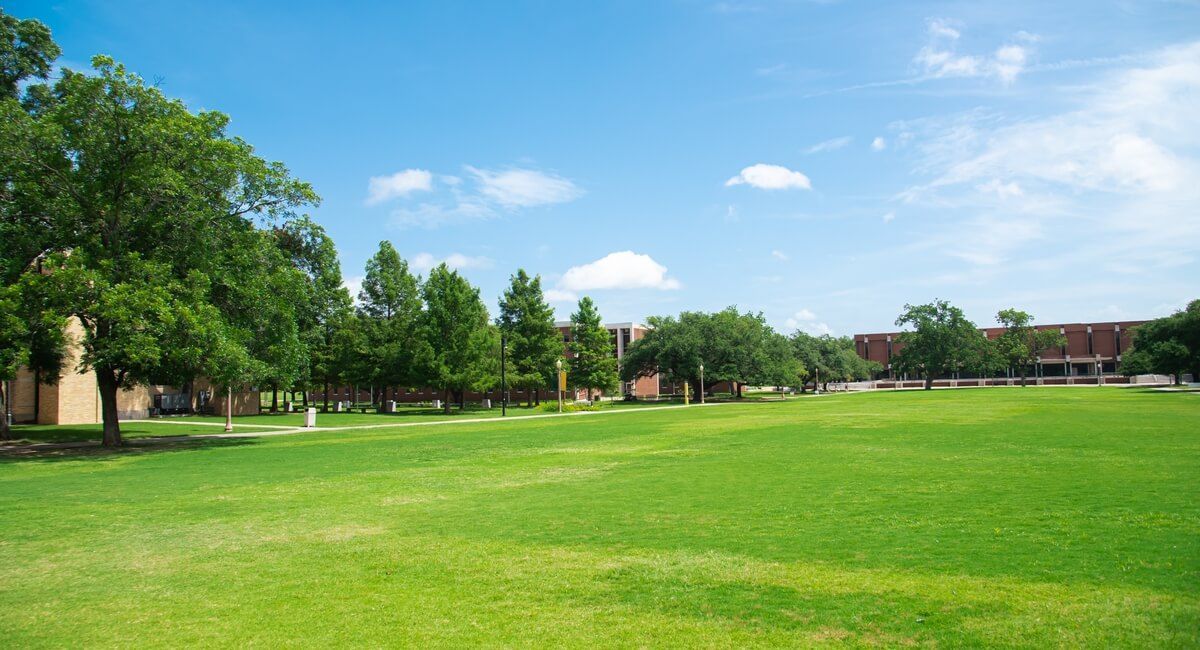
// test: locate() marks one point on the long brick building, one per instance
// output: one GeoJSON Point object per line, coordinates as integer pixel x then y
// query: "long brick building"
{"type": "Point", "coordinates": [1092, 350]}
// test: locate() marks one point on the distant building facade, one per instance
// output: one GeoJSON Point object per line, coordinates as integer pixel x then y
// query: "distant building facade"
{"type": "Point", "coordinates": [1092, 350]}
{"type": "Point", "coordinates": [75, 397]}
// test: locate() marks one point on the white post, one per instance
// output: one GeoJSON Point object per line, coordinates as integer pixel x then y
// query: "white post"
{"type": "Point", "coordinates": [702, 383]}
{"type": "Point", "coordinates": [228, 409]}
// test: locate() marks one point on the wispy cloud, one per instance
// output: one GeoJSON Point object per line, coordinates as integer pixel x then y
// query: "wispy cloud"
{"type": "Point", "coordinates": [524, 187]}
{"type": "Point", "coordinates": [832, 144]}
{"type": "Point", "coordinates": [484, 194]}
{"type": "Point", "coordinates": [457, 261]}
{"type": "Point", "coordinates": [400, 184]}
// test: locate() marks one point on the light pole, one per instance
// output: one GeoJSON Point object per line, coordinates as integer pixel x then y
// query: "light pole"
{"type": "Point", "coordinates": [228, 409]}
{"type": "Point", "coordinates": [558, 382]}
{"type": "Point", "coordinates": [503, 378]}
{"type": "Point", "coordinates": [702, 391]}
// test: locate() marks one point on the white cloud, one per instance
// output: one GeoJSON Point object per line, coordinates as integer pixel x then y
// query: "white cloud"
{"type": "Point", "coordinates": [561, 295]}
{"type": "Point", "coordinates": [524, 187]}
{"type": "Point", "coordinates": [832, 144]}
{"type": "Point", "coordinates": [400, 184]}
{"type": "Point", "coordinates": [456, 261]}
{"type": "Point", "coordinates": [940, 58]}
{"type": "Point", "coordinates": [887, 218]}
{"type": "Point", "coordinates": [770, 177]}
{"type": "Point", "coordinates": [353, 285]}
{"type": "Point", "coordinates": [806, 321]}
{"type": "Point", "coordinates": [1009, 61]}
{"type": "Point", "coordinates": [1110, 184]}
{"type": "Point", "coordinates": [620, 270]}
{"type": "Point", "coordinates": [878, 144]}
{"type": "Point", "coordinates": [1000, 189]}
{"type": "Point", "coordinates": [779, 255]}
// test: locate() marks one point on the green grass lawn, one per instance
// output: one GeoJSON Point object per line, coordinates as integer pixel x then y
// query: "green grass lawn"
{"type": "Point", "coordinates": [1006, 516]}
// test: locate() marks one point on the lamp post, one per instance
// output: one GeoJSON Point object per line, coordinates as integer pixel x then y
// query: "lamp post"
{"type": "Point", "coordinates": [558, 383]}
{"type": "Point", "coordinates": [228, 409]}
{"type": "Point", "coordinates": [503, 377]}
{"type": "Point", "coordinates": [702, 391]}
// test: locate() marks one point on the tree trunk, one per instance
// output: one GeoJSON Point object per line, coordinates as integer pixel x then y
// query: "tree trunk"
{"type": "Point", "coordinates": [1024, 376]}
{"type": "Point", "coordinates": [1179, 378]}
{"type": "Point", "coordinates": [107, 380]}
{"type": "Point", "coordinates": [5, 434]}
{"type": "Point", "coordinates": [325, 408]}
{"type": "Point", "coordinates": [446, 401]}
{"type": "Point", "coordinates": [739, 390]}
{"type": "Point", "coordinates": [274, 399]}
{"type": "Point", "coordinates": [928, 382]}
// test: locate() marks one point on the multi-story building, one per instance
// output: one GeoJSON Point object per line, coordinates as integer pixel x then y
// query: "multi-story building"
{"type": "Point", "coordinates": [1091, 350]}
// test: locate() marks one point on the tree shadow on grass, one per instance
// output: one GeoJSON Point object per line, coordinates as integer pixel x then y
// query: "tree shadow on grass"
{"type": "Point", "coordinates": [50, 452]}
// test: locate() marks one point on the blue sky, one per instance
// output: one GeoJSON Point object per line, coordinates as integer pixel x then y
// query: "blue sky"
{"type": "Point", "coordinates": [823, 162]}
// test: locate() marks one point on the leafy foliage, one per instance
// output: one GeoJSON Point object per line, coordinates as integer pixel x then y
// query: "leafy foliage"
{"type": "Point", "coordinates": [463, 346]}
{"type": "Point", "coordinates": [593, 359]}
{"type": "Point", "coordinates": [1169, 346]}
{"type": "Point", "coordinates": [534, 343]}
{"type": "Point", "coordinates": [943, 341]}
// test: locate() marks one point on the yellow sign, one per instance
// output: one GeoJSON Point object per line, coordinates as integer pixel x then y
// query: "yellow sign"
{"type": "Point", "coordinates": [562, 380]}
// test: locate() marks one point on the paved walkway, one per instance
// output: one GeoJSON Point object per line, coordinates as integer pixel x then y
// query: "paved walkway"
{"type": "Point", "coordinates": [278, 430]}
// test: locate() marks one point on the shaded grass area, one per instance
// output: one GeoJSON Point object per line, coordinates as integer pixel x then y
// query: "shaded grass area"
{"type": "Point", "coordinates": [37, 433]}
{"type": "Point", "coordinates": [1017, 517]}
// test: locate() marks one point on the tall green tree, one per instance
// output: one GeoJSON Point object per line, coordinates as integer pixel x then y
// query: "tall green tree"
{"type": "Point", "coordinates": [534, 343]}
{"type": "Point", "coordinates": [670, 348]}
{"type": "Point", "coordinates": [943, 341]}
{"type": "Point", "coordinates": [327, 305]}
{"type": "Point", "coordinates": [593, 363]}
{"type": "Point", "coordinates": [150, 211]}
{"type": "Point", "coordinates": [1169, 345]}
{"type": "Point", "coordinates": [1021, 343]}
{"type": "Point", "coordinates": [390, 304]}
{"type": "Point", "coordinates": [463, 346]}
{"type": "Point", "coordinates": [27, 51]}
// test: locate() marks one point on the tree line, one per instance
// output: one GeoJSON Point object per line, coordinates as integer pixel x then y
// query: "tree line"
{"type": "Point", "coordinates": [166, 249]}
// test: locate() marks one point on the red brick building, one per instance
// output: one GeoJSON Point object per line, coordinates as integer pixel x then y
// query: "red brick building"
{"type": "Point", "coordinates": [1091, 350]}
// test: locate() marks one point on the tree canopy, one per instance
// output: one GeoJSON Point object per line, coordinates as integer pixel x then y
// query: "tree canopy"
{"type": "Point", "coordinates": [942, 342]}
{"type": "Point", "coordinates": [145, 216]}
{"type": "Point", "coordinates": [1021, 343]}
{"type": "Point", "coordinates": [1169, 345]}
{"type": "Point", "coordinates": [534, 343]}
{"type": "Point", "coordinates": [593, 360]}
{"type": "Point", "coordinates": [463, 346]}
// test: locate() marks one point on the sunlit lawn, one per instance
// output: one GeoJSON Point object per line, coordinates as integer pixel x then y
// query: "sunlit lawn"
{"type": "Point", "coordinates": [1010, 516]}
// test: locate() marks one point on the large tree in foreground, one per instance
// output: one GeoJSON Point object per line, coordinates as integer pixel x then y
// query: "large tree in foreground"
{"type": "Point", "coordinates": [534, 343]}
{"type": "Point", "coordinates": [149, 211]}
{"type": "Point", "coordinates": [1021, 343]}
{"type": "Point", "coordinates": [942, 341]}
{"type": "Point", "coordinates": [593, 359]}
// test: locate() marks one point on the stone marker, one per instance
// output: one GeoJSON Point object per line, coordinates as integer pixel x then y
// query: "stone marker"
{"type": "Point", "coordinates": [437, 403]}
{"type": "Point", "coordinates": [390, 406]}
{"type": "Point", "coordinates": [338, 407]}
{"type": "Point", "coordinates": [486, 403]}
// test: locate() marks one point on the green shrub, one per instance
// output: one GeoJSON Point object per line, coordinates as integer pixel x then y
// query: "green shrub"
{"type": "Point", "coordinates": [568, 407]}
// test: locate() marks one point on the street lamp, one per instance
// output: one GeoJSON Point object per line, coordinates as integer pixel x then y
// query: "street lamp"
{"type": "Point", "coordinates": [558, 383]}
{"type": "Point", "coordinates": [503, 377]}
{"type": "Point", "coordinates": [702, 391]}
